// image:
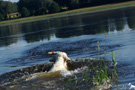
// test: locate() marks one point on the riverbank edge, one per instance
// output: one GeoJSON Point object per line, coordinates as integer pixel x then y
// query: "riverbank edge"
{"type": "Point", "coordinates": [71, 13]}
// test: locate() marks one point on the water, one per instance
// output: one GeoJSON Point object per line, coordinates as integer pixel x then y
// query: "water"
{"type": "Point", "coordinates": [23, 45]}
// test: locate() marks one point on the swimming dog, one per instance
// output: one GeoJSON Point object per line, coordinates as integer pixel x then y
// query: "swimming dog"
{"type": "Point", "coordinates": [61, 61]}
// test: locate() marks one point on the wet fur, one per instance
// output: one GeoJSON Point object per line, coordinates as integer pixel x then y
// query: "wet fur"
{"type": "Point", "coordinates": [61, 61]}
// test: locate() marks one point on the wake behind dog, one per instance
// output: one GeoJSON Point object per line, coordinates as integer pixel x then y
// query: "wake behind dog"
{"type": "Point", "coordinates": [58, 69]}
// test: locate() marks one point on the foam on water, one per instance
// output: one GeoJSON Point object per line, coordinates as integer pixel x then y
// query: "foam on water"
{"type": "Point", "coordinates": [56, 74]}
{"type": "Point", "coordinates": [105, 86]}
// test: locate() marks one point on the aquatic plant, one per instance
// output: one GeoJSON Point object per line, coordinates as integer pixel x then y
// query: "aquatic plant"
{"type": "Point", "coordinates": [114, 73]}
{"type": "Point", "coordinates": [102, 77]}
{"type": "Point", "coordinates": [97, 76]}
{"type": "Point", "coordinates": [98, 47]}
{"type": "Point", "coordinates": [69, 81]}
{"type": "Point", "coordinates": [86, 76]}
{"type": "Point", "coordinates": [113, 59]}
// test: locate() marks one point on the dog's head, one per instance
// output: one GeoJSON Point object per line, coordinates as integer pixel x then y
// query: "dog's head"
{"type": "Point", "coordinates": [63, 55]}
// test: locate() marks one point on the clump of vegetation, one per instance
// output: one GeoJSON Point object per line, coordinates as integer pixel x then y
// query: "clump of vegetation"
{"type": "Point", "coordinates": [95, 76]}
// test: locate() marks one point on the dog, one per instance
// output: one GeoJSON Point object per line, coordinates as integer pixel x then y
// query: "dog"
{"type": "Point", "coordinates": [61, 61]}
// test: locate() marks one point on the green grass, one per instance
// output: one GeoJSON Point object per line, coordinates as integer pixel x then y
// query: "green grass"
{"type": "Point", "coordinates": [98, 77]}
{"type": "Point", "coordinates": [71, 12]}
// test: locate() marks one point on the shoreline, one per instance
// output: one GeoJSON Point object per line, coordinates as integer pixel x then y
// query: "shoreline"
{"type": "Point", "coordinates": [80, 11]}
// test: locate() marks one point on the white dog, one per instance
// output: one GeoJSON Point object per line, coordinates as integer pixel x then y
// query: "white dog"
{"type": "Point", "coordinates": [61, 61]}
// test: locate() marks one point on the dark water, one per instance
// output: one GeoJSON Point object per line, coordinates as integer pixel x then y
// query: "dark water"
{"type": "Point", "coordinates": [27, 44]}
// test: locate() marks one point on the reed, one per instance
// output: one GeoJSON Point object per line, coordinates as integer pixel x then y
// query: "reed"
{"type": "Point", "coordinates": [115, 76]}
{"type": "Point", "coordinates": [101, 75]}
{"type": "Point", "coordinates": [96, 76]}
{"type": "Point", "coordinates": [68, 82]}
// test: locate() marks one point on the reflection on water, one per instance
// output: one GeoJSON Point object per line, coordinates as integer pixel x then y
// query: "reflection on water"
{"type": "Point", "coordinates": [68, 26]}
{"type": "Point", "coordinates": [26, 44]}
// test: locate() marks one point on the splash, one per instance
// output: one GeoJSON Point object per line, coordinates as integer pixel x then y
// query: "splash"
{"type": "Point", "coordinates": [57, 74]}
{"type": "Point", "coordinates": [46, 80]}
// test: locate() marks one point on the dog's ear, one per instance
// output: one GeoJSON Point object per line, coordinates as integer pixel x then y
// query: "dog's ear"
{"type": "Point", "coordinates": [53, 59]}
{"type": "Point", "coordinates": [67, 59]}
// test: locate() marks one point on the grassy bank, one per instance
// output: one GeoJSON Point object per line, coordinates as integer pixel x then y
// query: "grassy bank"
{"type": "Point", "coordinates": [71, 12]}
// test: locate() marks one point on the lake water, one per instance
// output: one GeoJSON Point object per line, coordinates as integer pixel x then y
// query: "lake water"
{"type": "Point", "coordinates": [26, 44]}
